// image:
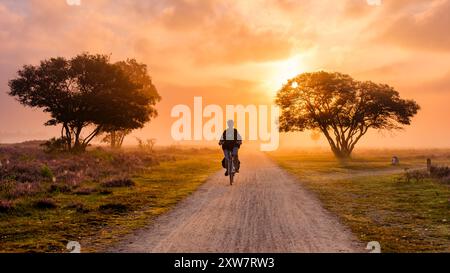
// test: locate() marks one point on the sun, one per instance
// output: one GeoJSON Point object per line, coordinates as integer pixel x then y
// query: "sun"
{"type": "Point", "coordinates": [281, 71]}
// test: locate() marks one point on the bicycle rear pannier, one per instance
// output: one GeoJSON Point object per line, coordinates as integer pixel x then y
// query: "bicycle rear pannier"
{"type": "Point", "coordinates": [224, 163]}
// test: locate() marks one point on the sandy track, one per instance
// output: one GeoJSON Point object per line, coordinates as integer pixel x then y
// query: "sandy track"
{"type": "Point", "coordinates": [266, 210]}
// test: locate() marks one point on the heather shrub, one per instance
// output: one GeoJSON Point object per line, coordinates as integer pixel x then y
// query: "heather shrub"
{"type": "Point", "coordinates": [105, 192]}
{"type": "Point", "coordinates": [440, 171]}
{"type": "Point", "coordinates": [27, 169]}
{"type": "Point", "coordinates": [46, 172]}
{"type": "Point", "coordinates": [6, 187]}
{"type": "Point", "coordinates": [78, 207]}
{"type": "Point", "coordinates": [113, 208]}
{"type": "Point", "coordinates": [6, 206]}
{"type": "Point", "coordinates": [25, 189]}
{"type": "Point", "coordinates": [85, 191]}
{"type": "Point", "coordinates": [45, 203]}
{"type": "Point", "coordinates": [11, 190]}
{"type": "Point", "coordinates": [116, 183]}
{"type": "Point", "coordinates": [127, 162]}
{"type": "Point", "coordinates": [23, 171]}
{"type": "Point", "coordinates": [446, 179]}
{"type": "Point", "coordinates": [417, 175]}
{"type": "Point", "coordinates": [61, 188]}
{"type": "Point", "coordinates": [55, 145]}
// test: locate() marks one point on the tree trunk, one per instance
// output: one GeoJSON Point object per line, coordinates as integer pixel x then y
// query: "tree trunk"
{"type": "Point", "coordinates": [120, 142]}
{"type": "Point", "coordinates": [78, 146]}
{"type": "Point", "coordinates": [342, 154]}
{"type": "Point", "coordinates": [340, 149]}
{"type": "Point", "coordinates": [113, 140]}
{"type": "Point", "coordinates": [68, 136]}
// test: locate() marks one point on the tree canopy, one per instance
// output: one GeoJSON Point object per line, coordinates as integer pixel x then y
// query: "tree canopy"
{"type": "Point", "coordinates": [88, 91]}
{"type": "Point", "coordinates": [147, 95]}
{"type": "Point", "coordinates": [342, 108]}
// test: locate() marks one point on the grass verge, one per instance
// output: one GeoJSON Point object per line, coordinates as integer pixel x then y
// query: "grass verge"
{"type": "Point", "coordinates": [402, 216]}
{"type": "Point", "coordinates": [97, 215]}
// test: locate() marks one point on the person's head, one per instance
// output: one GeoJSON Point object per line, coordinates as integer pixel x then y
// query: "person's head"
{"type": "Point", "coordinates": [230, 123]}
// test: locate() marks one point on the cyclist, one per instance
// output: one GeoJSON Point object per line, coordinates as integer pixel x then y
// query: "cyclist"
{"type": "Point", "coordinates": [231, 140]}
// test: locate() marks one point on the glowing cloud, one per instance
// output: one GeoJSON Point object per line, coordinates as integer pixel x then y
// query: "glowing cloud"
{"type": "Point", "coordinates": [374, 2]}
{"type": "Point", "coordinates": [73, 2]}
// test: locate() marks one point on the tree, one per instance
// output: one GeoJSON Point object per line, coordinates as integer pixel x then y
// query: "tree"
{"type": "Point", "coordinates": [138, 75]}
{"type": "Point", "coordinates": [146, 146]}
{"type": "Point", "coordinates": [341, 108]}
{"type": "Point", "coordinates": [115, 138]}
{"type": "Point", "coordinates": [85, 91]}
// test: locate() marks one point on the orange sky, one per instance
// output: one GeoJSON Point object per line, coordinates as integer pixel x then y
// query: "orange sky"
{"type": "Point", "coordinates": [239, 52]}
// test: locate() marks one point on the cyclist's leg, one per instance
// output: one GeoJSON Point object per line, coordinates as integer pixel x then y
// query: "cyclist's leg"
{"type": "Point", "coordinates": [226, 153]}
{"type": "Point", "coordinates": [227, 156]}
{"type": "Point", "coordinates": [235, 152]}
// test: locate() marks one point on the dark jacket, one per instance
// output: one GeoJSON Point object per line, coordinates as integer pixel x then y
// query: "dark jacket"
{"type": "Point", "coordinates": [229, 139]}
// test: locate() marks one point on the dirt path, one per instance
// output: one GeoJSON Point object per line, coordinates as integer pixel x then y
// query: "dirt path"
{"type": "Point", "coordinates": [266, 210]}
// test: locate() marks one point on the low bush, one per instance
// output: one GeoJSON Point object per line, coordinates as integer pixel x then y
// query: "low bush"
{"type": "Point", "coordinates": [417, 175]}
{"type": "Point", "coordinates": [46, 203]}
{"type": "Point", "coordinates": [46, 172]}
{"type": "Point", "coordinates": [25, 189]}
{"type": "Point", "coordinates": [439, 171]}
{"type": "Point", "coordinates": [105, 192]}
{"type": "Point", "coordinates": [61, 188]}
{"type": "Point", "coordinates": [21, 171]}
{"type": "Point", "coordinates": [6, 206]}
{"type": "Point", "coordinates": [11, 190]}
{"type": "Point", "coordinates": [446, 179]}
{"type": "Point", "coordinates": [55, 145]}
{"type": "Point", "coordinates": [117, 183]}
{"type": "Point", "coordinates": [85, 191]}
{"type": "Point", "coordinates": [78, 207]}
{"type": "Point", "coordinates": [113, 208]}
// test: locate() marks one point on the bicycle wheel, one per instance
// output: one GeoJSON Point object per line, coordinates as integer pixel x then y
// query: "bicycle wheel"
{"type": "Point", "coordinates": [230, 169]}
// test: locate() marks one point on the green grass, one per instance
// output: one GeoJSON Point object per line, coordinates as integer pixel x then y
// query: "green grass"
{"type": "Point", "coordinates": [402, 216]}
{"type": "Point", "coordinates": [79, 217]}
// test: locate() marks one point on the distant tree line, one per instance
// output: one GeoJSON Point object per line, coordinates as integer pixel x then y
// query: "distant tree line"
{"type": "Point", "coordinates": [89, 91]}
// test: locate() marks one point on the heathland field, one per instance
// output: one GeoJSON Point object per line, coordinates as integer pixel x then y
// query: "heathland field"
{"type": "Point", "coordinates": [402, 207]}
{"type": "Point", "coordinates": [49, 199]}
{"type": "Point", "coordinates": [100, 196]}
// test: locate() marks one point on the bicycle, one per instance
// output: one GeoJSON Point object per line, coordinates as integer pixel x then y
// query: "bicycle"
{"type": "Point", "coordinates": [230, 167]}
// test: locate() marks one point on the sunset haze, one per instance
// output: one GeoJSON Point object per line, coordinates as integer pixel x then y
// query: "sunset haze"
{"type": "Point", "coordinates": [239, 52]}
